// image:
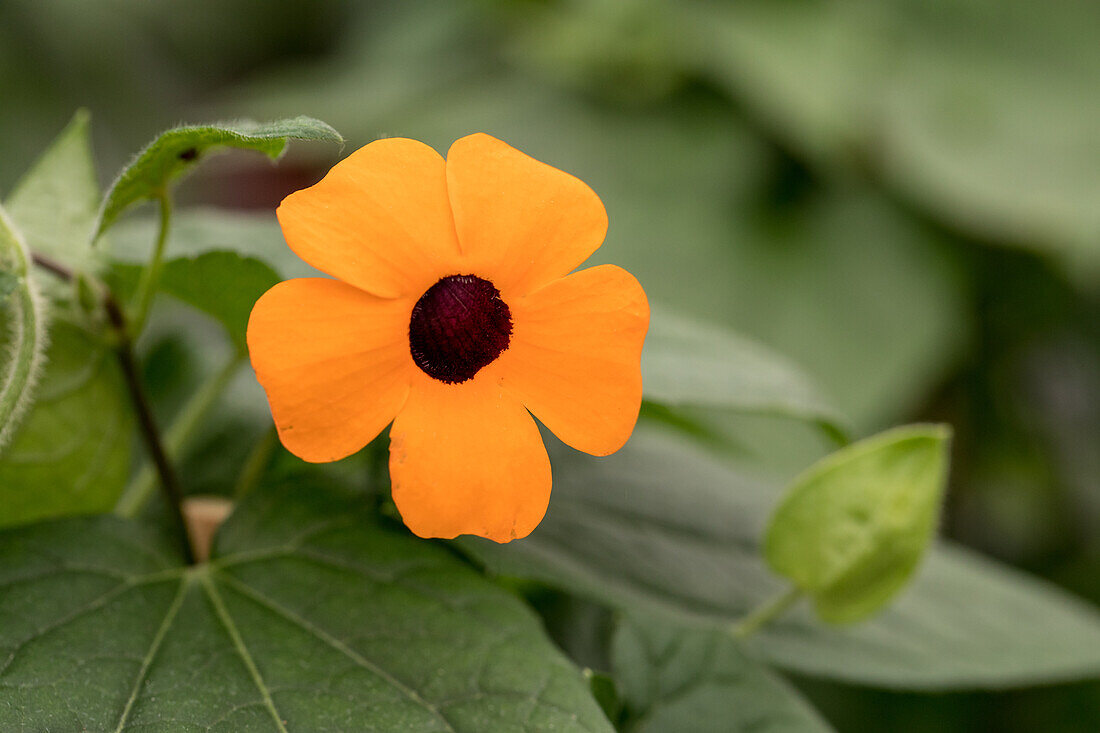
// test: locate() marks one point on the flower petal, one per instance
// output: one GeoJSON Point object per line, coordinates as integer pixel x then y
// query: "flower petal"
{"type": "Point", "coordinates": [521, 223]}
{"type": "Point", "coordinates": [379, 220]}
{"type": "Point", "coordinates": [468, 459]}
{"type": "Point", "coordinates": [334, 362]}
{"type": "Point", "coordinates": [575, 355]}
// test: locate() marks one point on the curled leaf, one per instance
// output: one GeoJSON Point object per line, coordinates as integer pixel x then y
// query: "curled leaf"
{"type": "Point", "coordinates": [24, 331]}
{"type": "Point", "coordinates": [178, 150]}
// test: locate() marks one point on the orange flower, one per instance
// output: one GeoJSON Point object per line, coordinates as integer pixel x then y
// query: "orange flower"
{"type": "Point", "coordinates": [453, 314]}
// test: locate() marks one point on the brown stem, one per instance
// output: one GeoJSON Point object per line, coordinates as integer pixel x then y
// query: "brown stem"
{"type": "Point", "coordinates": [48, 263]}
{"type": "Point", "coordinates": [149, 432]}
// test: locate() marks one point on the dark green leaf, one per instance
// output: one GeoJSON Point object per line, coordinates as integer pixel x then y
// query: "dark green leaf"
{"type": "Point", "coordinates": [54, 205]}
{"type": "Point", "coordinates": [311, 617]}
{"type": "Point", "coordinates": [974, 110]}
{"type": "Point", "coordinates": [676, 680]}
{"type": "Point", "coordinates": [71, 455]}
{"type": "Point", "coordinates": [686, 363]}
{"type": "Point", "coordinates": [853, 527]}
{"type": "Point", "coordinates": [847, 286]}
{"type": "Point", "coordinates": [662, 526]}
{"type": "Point", "coordinates": [222, 284]}
{"type": "Point", "coordinates": [604, 691]}
{"type": "Point", "coordinates": [178, 150]}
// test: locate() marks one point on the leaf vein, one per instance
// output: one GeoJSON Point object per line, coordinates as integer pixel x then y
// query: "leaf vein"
{"type": "Point", "coordinates": [238, 643]}
{"type": "Point", "coordinates": [335, 643]}
{"type": "Point", "coordinates": [147, 662]}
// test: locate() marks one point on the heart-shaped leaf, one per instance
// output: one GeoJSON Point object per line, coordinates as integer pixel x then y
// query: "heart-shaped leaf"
{"type": "Point", "coordinates": [71, 454]}
{"type": "Point", "coordinates": [310, 617]}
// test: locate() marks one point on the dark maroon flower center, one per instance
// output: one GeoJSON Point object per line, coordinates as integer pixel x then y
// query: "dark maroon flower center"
{"type": "Point", "coordinates": [458, 326]}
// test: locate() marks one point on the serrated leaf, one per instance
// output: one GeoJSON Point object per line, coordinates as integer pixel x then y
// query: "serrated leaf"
{"type": "Point", "coordinates": [661, 526]}
{"type": "Point", "coordinates": [55, 203]}
{"type": "Point", "coordinates": [71, 455]}
{"type": "Point", "coordinates": [311, 617]}
{"type": "Point", "coordinates": [675, 679]}
{"type": "Point", "coordinates": [178, 150]}
{"type": "Point", "coordinates": [852, 528]}
{"type": "Point", "coordinates": [687, 363]}
{"type": "Point", "coordinates": [222, 284]}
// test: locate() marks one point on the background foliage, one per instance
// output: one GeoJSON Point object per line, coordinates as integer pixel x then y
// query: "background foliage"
{"type": "Point", "coordinates": [899, 197]}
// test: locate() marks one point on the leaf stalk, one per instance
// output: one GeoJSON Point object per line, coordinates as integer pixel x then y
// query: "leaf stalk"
{"type": "Point", "coordinates": [150, 276]}
{"type": "Point", "coordinates": [766, 612]}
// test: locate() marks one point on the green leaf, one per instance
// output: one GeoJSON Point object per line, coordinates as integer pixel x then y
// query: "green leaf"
{"type": "Point", "coordinates": [975, 111]}
{"type": "Point", "coordinates": [53, 208]}
{"type": "Point", "coordinates": [604, 691]}
{"type": "Point", "coordinates": [71, 455]}
{"type": "Point", "coordinates": [8, 283]}
{"type": "Point", "coordinates": [686, 363]}
{"type": "Point", "coordinates": [881, 330]}
{"type": "Point", "coordinates": [22, 332]}
{"type": "Point", "coordinates": [178, 150]}
{"type": "Point", "coordinates": [223, 284]}
{"type": "Point", "coordinates": [676, 680]}
{"type": "Point", "coordinates": [198, 231]}
{"type": "Point", "coordinates": [55, 203]}
{"type": "Point", "coordinates": [311, 617]}
{"type": "Point", "coordinates": [854, 526]}
{"type": "Point", "coordinates": [661, 526]}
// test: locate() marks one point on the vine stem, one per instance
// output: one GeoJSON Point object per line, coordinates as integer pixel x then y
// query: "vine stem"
{"type": "Point", "coordinates": [765, 613]}
{"type": "Point", "coordinates": [177, 436]}
{"type": "Point", "coordinates": [168, 480]}
{"type": "Point", "coordinates": [147, 286]}
{"type": "Point", "coordinates": [124, 351]}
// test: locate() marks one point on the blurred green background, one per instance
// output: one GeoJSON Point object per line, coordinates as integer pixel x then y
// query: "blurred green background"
{"type": "Point", "coordinates": [902, 195]}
